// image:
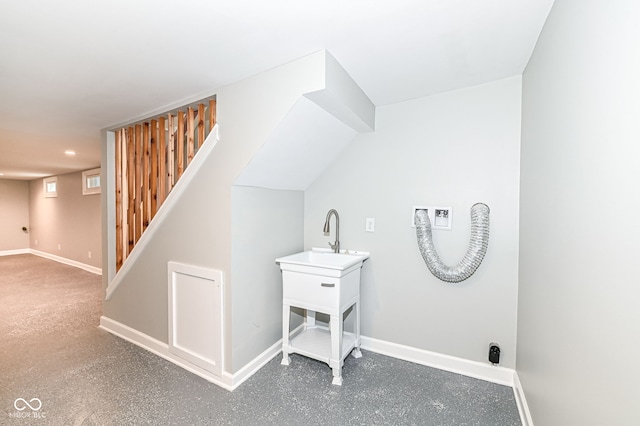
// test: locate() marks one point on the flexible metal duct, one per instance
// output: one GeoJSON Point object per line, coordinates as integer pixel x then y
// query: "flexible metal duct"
{"type": "Point", "coordinates": [475, 253]}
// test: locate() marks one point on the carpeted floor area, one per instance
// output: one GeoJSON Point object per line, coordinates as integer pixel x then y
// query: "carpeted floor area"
{"type": "Point", "coordinates": [51, 349]}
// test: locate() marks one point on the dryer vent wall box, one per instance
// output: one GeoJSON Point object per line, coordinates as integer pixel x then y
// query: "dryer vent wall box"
{"type": "Point", "coordinates": [441, 217]}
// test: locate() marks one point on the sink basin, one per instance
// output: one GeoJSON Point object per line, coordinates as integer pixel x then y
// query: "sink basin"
{"type": "Point", "coordinates": [315, 260]}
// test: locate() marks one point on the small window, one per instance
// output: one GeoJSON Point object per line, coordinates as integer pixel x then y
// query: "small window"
{"type": "Point", "coordinates": [91, 182]}
{"type": "Point", "coordinates": [51, 187]}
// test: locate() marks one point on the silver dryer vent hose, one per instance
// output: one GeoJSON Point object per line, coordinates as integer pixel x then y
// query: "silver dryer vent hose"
{"type": "Point", "coordinates": [475, 253]}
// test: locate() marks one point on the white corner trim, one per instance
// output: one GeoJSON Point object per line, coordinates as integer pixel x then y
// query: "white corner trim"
{"type": "Point", "coordinates": [165, 208]}
{"type": "Point", "coordinates": [88, 268]}
{"type": "Point", "coordinates": [521, 401]}
{"type": "Point", "coordinates": [14, 252]}
{"type": "Point", "coordinates": [478, 370]}
{"type": "Point", "coordinates": [228, 380]}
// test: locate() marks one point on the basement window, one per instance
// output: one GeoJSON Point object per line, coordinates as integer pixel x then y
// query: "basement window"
{"type": "Point", "coordinates": [91, 182]}
{"type": "Point", "coordinates": [51, 187]}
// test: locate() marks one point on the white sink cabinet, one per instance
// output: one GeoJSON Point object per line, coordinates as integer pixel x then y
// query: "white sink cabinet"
{"type": "Point", "coordinates": [322, 281]}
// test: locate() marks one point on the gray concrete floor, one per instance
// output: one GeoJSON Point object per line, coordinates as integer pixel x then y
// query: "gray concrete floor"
{"type": "Point", "coordinates": [51, 349]}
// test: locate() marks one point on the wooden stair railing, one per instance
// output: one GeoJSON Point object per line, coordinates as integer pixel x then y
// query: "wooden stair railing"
{"type": "Point", "coordinates": [150, 158]}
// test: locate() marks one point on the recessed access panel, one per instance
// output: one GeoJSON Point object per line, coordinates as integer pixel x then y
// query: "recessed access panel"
{"type": "Point", "coordinates": [195, 315]}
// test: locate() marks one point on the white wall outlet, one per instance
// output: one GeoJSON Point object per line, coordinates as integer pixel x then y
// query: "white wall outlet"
{"type": "Point", "coordinates": [89, 254]}
{"type": "Point", "coordinates": [440, 217]}
{"type": "Point", "coordinates": [36, 242]}
{"type": "Point", "coordinates": [370, 224]}
{"type": "Point", "coordinates": [59, 246]}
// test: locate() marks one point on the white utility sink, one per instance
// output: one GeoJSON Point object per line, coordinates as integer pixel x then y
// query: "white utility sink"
{"type": "Point", "coordinates": [323, 261]}
{"type": "Point", "coordinates": [320, 280]}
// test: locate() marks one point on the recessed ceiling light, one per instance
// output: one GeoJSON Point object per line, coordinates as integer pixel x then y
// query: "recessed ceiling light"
{"type": "Point", "coordinates": [70, 152]}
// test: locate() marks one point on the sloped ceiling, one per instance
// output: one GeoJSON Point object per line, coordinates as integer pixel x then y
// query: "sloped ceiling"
{"type": "Point", "coordinates": [72, 67]}
{"type": "Point", "coordinates": [300, 149]}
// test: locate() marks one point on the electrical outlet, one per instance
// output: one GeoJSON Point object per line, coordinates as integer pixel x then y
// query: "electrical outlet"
{"type": "Point", "coordinates": [494, 353]}
{"type": "Point", "coordinates": [89, 254]}
{"type": "Point", "coordinates": [59, 246]}
{"type": "Point", "coordinates": [370, 224]}
{"type": "Point", "coordinates": [36, 242]}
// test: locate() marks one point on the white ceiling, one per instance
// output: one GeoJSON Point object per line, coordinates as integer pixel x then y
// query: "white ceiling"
{"type": "Point", "coordinates": [72, 67]}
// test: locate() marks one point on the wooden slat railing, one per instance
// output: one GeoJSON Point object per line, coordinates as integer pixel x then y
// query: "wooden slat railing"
{"type": "Point", "coordinates": [150, 158]}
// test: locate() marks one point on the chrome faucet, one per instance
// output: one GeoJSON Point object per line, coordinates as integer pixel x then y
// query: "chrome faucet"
{"type": "Point", "coordinates": [335, 246]}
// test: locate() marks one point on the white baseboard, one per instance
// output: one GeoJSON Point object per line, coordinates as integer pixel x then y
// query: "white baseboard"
{"type": "Point", "coordinates": [478, 370]}
{"type": "Point", "coordinates": [256, 364]}
{"type": "Point", "coordinates": [13, 252]}
{"type": "Point", "coordinates": [161, 349]}
{"type": "Point", "coordinates": [228, 380]}
{"type": "Point", "coordinates": [88, 268]}
{"type": "Point", "coordinates": [521, 401]}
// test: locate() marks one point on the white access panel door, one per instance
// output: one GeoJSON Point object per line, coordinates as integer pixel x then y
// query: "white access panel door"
{"type": "Point", "coordinates": [195, 315]}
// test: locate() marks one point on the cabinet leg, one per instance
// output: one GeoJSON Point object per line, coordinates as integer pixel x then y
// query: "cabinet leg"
{"type": "Point", "coordinates": [337, 380]}
{"type": "Point", "coordinates": [285, 358]}
{"type": "Point", "coordinates": [310, 319]}
{"type": "Point", "coordinates": [286, 314]}
{"type": "Point", "coordinates": [336, 326]}
{"type": "Point", "coordinates": [356, 351]}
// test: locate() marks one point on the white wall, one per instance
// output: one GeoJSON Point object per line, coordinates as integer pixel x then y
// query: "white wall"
{"type": "Point", "coordinates": [452, 149]}
{"type": "Point", "coordinates": [578, 321]}
{"type": "Point", "coordinates": [14, 214]}
{"type": "Point", "coordinates": [68, 225]}
{"type": "Point", "coordinates": [266, 224]}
